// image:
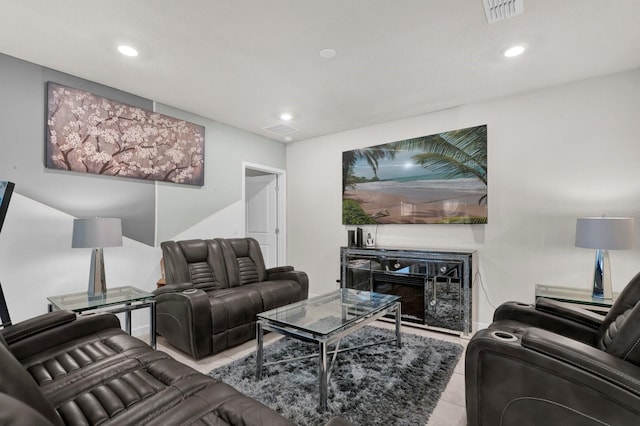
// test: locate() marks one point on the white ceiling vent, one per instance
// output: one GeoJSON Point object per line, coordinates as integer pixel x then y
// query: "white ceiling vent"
{"type": "Point", "coordinates": [499, 10]}
{"type": "Point", "coordinates": [281, 129]}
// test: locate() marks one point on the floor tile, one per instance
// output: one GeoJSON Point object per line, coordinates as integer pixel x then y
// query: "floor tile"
{"type": "Point", "coordinates": [447, 414]}
{"type": "Point", "coordinates": [454, 392]}
{"type": "Point", "coordinates": [203, 365]}
{"type": "Point", "coordinates": [460, 365]}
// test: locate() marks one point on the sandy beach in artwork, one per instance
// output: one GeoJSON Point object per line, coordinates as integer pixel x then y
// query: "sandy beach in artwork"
{"type": "Point", "coordinates": [431, 205]}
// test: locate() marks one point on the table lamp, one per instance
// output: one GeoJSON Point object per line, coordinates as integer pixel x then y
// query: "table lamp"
{"type": "Point", "coordinates": [97, 233]}
{"type": "Point", "coordinates": [602, 234]}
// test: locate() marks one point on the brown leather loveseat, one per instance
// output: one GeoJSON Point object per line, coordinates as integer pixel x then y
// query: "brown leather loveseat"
{"type": "Point", "coordinates": [214, 289]}
{"type": "Point", "coordinates": [59, 369]}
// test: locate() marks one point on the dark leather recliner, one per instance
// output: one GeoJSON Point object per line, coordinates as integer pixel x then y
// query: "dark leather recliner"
{"type": "Point", "coordinates": [214, 290]}
{"type": "Point", "coordinates": [59, 369]}
{"type": "Point", "coordinates": [549, 363]}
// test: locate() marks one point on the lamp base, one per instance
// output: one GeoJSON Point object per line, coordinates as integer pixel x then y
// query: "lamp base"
{"type": "Point", "coordinates": [602, 288]}
{"type": "Point", "coordinates": [97, 282]}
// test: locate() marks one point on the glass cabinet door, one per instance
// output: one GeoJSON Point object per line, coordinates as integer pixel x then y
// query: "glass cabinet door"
{"type": "Point", "coordinates": [444, 303]}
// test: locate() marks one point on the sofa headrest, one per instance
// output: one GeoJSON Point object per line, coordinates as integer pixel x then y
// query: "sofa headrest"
{"type": "Point", "coordinates": [622, 336]}
{"type": "Point", "coordinates": [627, 299]}
{"type": "Point", "coordinates": [194, 250]}
{"type": "Point", "coordinates": [243, 260]}
{"type": "Point", "coordinates": [240, 246]}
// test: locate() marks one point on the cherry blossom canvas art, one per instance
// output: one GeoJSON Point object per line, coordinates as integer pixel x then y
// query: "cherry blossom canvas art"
{"type": "Point", "coordinates": [90, 134]}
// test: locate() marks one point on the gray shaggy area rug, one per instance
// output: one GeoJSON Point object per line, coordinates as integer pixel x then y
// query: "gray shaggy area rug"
{"type": "Point", "coordinates": [376, 385]}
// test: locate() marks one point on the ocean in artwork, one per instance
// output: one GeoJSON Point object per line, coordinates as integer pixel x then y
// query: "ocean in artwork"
{"type": "Point", "coordinates": [439, 178]}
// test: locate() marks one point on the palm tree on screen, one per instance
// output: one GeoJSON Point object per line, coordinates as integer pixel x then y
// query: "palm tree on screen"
{"type": "Point", "coordinates": [453, 154]}
{"type": "Point", "coordinates": [371, 155]}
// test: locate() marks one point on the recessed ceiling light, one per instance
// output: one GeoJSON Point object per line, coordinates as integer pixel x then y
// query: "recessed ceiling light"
{"type": "Point", "coordinates": [127, 50]}
{"type": "Point", "coordinates": [514, 51]}
{"type": "Point", "coordinates": [286, 116]}
{"type": "Point", "coordinates": [328, 53]}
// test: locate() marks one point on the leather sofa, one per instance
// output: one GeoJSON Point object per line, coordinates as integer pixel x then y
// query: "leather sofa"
{"type": "Point", "coordinates": [550, 363]}
{"type": "Point", "coordinates": [59, 369]}
{"type": "Point", "coordinates": [214, 289]}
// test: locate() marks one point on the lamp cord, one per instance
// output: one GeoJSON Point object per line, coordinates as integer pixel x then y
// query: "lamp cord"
{"type": "Point", "coordinates": [477, 278]}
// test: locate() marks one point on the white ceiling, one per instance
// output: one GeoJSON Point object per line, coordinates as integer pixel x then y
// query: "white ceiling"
{"type": "Point", "coordinates": [244, 62]}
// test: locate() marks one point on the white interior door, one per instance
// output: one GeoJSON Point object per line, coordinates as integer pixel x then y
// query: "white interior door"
{"type": "Point", "coordinates": [261, 212]}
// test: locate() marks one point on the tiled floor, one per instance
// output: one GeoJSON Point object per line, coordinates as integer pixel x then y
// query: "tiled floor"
{"type": "Point", "coordinates": [450, 410]}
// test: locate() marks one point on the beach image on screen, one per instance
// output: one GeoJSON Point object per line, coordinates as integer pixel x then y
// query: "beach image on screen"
{"type": "Point", "coordinates": [439, 178]}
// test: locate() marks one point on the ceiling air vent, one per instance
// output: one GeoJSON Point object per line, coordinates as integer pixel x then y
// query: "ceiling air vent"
{"type": "Point", "coordinates": [281, 129]}
{"type": "Point", "coordinates": [499, 10]}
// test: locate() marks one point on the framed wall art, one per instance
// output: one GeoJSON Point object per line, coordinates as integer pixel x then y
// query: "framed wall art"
{"type": "Point", "coordinates": [439, 178]}
{"type": "Point", "coordinates": [87, 133]}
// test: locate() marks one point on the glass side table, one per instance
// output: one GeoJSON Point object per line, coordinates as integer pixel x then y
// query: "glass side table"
{"type": "Point", "coordinates": [114, 300]}
{"type": "Point", "coordinates": [576, 296]}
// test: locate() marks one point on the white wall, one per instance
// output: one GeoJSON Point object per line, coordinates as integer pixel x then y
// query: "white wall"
{"type": "Point", "coordinates": [36, 258]}
{"type": "Point", "coordinates": [226, 223]}
{"type": "Point", "coordinates": [182, 206]}
{"type": "Point", "coordinates": [36, 261]}
{"type": "Point", "coordinates": [554, 155]}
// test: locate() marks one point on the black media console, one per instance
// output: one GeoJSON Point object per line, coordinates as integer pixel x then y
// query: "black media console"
{"type": "Point", "coordinates": [436, 286]}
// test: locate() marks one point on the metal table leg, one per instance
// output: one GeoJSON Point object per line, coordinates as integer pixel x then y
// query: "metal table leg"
{"type": "Point", "coordinates": [152, 326]}
{"type": "Point", "coordinates": [323, 376]}
{"type": "Point", "coordinates": [259, 350]}
{"type": "Point", "coordinates": [398, 319]}
{"type": "Point", "coordinates": [127, 319]}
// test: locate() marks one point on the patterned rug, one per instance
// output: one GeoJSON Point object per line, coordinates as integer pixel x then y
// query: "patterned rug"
{"type": "Point", "coordinates": [376, 385]}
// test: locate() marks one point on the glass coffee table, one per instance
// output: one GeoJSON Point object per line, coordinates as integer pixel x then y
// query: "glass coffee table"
{"type": "Point", "coordinates": [324, 320]}
{"type": "Point", "coordinates": [114, 300]}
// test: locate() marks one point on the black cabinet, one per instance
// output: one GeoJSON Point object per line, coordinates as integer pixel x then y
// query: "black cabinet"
{"type": "Point", "coordinates": [436, 287]}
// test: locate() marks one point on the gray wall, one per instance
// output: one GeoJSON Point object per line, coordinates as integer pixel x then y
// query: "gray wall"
{"type": "Point", "coordinates": [226, 147]}
{"type": "Point", "coordinates": [22, 160]}
{"type": "Point", "coordinates": [22, 155]}
{"type": "Point", "coordinates": [36, 258]}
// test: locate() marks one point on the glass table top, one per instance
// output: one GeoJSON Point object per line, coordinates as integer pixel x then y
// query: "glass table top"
{"type": "Point", "coordinates": [79, 302]}
{"type": "Point", "coordinates": [330, 312]}
{"type": "Point", "coordinates": [573, 295]}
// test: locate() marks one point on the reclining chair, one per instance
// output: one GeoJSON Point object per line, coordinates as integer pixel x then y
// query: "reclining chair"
{"type": "Point", "coordinates": [215, 288]}
{"type": "Point", "coordinates": [549, 363]}
{"type": "Point", "coordinates": [61, 369]}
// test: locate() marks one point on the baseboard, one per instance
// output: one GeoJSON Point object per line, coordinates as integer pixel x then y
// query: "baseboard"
{"type": "Point", "coordinates": [142, 331]}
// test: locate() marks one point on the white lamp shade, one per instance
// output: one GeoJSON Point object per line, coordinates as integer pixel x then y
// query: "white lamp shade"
{"type": "Point", "coordinates": [97, 233]}
{"type": "Point", "coordinates": [608, 233]}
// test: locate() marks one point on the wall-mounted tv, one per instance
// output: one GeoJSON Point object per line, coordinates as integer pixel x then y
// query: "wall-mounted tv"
{"type": "Point", "coordinates": [439, 178]}
{"type": "Point", "coordinates": [6, 189]}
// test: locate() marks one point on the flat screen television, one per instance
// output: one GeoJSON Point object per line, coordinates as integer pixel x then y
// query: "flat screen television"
{"type": "Point", "coordinates": [433, 179]}
{"type": "Point", "coordinates": [6, 189]}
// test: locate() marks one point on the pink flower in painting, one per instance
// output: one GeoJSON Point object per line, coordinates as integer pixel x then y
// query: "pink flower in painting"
{"type": "Point", "coordinates": [91, 134]}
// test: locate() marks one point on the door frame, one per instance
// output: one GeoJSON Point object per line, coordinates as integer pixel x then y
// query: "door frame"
{"type": "Point", "coordinates": [281, 205]}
